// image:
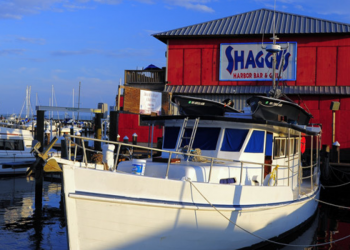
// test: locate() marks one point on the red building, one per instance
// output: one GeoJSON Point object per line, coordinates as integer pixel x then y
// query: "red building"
{"type": "Point", "coordinates": [322, 63]}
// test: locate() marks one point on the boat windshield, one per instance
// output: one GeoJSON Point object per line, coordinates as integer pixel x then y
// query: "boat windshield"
{"type": "Point", "coordinates": [206, 138]}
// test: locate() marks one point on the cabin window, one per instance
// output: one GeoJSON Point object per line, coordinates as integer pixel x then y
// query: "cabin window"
{"type": "Point", "coordinates": [280, 147]}
{"type": "Point", "coordinates": [228, 181]}
{"type": "Point", "coordinates": [256, 142]}
{"type": "Point", "coordinates": [11, 144]}
{"type": "Point", "coordinates": [205, 138]}
{"type": "Point", "coordinates": [269, 143]}
{"type": "Point", "coordinates": [292, 147]}
{"type": "Point", "coordinates": [170, 136]}
{"type": "Point", "coordinates": [234, 139]}
{"type": "Point", "coordinates": [296, 146]}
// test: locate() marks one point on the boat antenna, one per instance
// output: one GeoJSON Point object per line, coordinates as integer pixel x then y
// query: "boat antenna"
{"type": "Point", "coordinates": [274, 48]}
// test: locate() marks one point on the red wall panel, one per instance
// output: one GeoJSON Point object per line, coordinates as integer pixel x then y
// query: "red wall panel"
{"type": "Point", "coordinates": [326, 118]}
{"type": "Point", "coordinates": [129, 124]}
{"type": "Point", "coordinates": [175, 66]}
{"type": "Point", "coordinates": [208, 58]}
{"type": "Point", "coordinates": [192, 67]}
{"type": "Point", "coordinates": [326, 66]}
{"type": "Point", "coordinates": [306, 66]}
{"type": "Point", "coordinates": [310, 102]}
{"type": "Point", "coordinates": [343, 74]}
{"type": "Point", "coordinates": [319, 60]}
{"type": "Point", "coordinates": [315, 116]}
{"type": "Point", "coordinates": [342, 134]}
{"type": "Point", "coordinates": [345, 103]}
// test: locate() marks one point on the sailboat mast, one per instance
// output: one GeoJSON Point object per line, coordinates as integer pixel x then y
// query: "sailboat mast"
{"type": "Point", "coordinates": [73, 106]}
{"type": "Point", "coordinates": [79, 99]}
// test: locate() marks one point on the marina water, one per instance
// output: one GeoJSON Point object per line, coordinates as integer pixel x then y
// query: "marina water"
{"type": "Point", "coordinates": [20, 228]}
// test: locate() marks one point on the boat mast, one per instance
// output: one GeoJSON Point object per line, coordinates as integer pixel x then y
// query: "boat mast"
{"type": "Point", "coordinates": [79, 100]}
{"type": "Point", "coordinates": [73, 106]}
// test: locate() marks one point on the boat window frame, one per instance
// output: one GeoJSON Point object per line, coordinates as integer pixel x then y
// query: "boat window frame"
{"type": "Point", "coordinates": [241, 146]}
{"type": "Point", "coordinates": [277, 145]}
{"type": "Point", "coordinates": [292, 150]}
{"type": "Point", "coordinates": [18, 145]}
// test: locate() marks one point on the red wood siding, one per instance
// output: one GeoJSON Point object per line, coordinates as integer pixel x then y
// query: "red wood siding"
{"type": "Point", "coordinates": [192, 67]}
{"type": "Point", "coordinates": [208, 70]}
{"type": "Point", "coordinates": [326, 66]}
{"type": "Point", "coordinates": [321, 61]}
{"type": "Point", "coordinates": [175, 66]}
{"type": "Point", "coordinates": [343, 65]}
{"type": "Point", "coordinates": [129, 124]}
{"type": "Point", "coordinates": [306, 66]}
{"type": "Point", "coordinates": [326, 118]}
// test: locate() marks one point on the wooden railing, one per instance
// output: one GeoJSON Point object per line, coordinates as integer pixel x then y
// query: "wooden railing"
{"type": "Point", "coordinates": [144, 76]}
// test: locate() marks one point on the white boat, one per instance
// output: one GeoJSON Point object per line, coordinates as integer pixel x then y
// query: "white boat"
{"type": "Point", "coordinates": [247, 186]}
{"type": "Point", "coordinates": [15, 151]}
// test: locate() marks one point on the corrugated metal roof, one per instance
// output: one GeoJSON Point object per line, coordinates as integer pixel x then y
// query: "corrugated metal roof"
{"type": "Point", "coordinates": [249, 90]}
{"type": "Point", "coordinates": [258, 22]}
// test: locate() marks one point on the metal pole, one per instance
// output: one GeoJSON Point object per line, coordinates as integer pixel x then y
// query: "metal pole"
{"type": "Point", "coordinates": [312, 164]}
{"type": "Point", "coordinates": [211, 168]}
{"type": "Point", "coordinates": [240, 181]}
{"type": "Point", "coordinates": [289, 152]}
{"type": "Point", "coordinates": [116, 158]}
{"type": "Point", "coordinates": [333, 127]}
{"type": "Point", "coordinates": [84, 151]}
{"type": "Point", "coordinates": [167, 169]}
{"type": "Point", "coordinates": [152, 140]}
{"type": "Point", "coordinates": [299, 163]}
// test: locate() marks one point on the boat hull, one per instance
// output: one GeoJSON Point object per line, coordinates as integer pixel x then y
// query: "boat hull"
{"type": "Point", "coordinates": [201, 107]}
{"type": "Point", "coordinates": [125, 211]}
{"type": "Point", "coordinates": [265, 108]}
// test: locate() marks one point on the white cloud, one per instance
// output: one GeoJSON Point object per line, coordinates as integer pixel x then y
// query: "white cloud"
{"type": "Point", "coordinates": [32, 40]}
{"type": "Point", "coordinates": [11, 52]}
{"type": "Point", "coordinates": [123, 53]}
{"type": "Point", "coordinates": [17, 9]}
{"type": "Point", "coordinates": [197, 5]}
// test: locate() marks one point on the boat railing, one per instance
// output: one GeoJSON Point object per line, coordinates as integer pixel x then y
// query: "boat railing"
{"type": "Point", "coordinates": [172, 154]}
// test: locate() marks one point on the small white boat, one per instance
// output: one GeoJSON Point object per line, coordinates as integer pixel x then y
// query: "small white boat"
{"type": "Point", "coordinates": [15, 151]}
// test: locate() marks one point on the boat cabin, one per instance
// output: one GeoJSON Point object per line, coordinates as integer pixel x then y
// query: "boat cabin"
{"type": "Point", "coordinates": [230, 150]}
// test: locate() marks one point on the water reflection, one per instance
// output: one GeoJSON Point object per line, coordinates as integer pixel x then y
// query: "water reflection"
{"type": "Point", "coordinates": [22, 227]}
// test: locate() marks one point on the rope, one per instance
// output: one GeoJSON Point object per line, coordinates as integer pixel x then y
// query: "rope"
{"type": "Point", "coordinates": [340, 185]}
{"type": "Point", "coordinates": [335, 186]}
{"type": "Point", "coordinates": [257, 236]}
{"type": "Point", "coordinates": [333, 205]}
{"type": "Point", "coordinates": [273, 175]}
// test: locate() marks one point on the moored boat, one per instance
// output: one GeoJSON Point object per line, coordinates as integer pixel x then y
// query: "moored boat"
{"type": "Point", "coordinates": [247, 185]}
{"type": "Point", "coordinates": [189, 105]}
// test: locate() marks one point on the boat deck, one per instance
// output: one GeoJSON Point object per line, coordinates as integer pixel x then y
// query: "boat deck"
{"type": "Point", "coordinates": [305, 189]}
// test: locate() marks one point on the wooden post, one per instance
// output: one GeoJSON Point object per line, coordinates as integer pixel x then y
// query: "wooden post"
{"type": "Point", "coordinates": [38, 167]}
{"type": "Point", "coordinates": [98, 132]}
{"type": "Point", "coordinates": [113, 125]}
{"type": "Point", "coordinates": [64, 149]}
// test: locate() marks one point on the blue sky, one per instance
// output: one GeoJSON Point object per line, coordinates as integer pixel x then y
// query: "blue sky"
{"type": "Point", "coordinates": [59, 43]}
